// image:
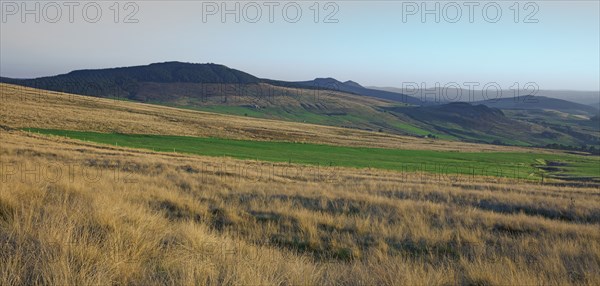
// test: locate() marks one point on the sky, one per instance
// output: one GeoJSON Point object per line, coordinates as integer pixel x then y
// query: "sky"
{"type": "Point", "coordinates": [553, 44]}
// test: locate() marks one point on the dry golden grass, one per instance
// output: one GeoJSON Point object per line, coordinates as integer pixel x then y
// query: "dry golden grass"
{"type": "Point", "coordinates": [124, 216]}
{"type": "Point", "coordinates": [23, 107]}
{"type": "Point", "coordinates": [79, 213]}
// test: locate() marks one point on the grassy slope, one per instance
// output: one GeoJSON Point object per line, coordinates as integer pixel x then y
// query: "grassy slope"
{"type": "Point", "coordinates": [578, 126]}
{"type": "Point", "coordinates": [358, 112]}
{"type": "Point", "coordinates": [373, 119]}
{"type": "Point", "coordinates": [368, 120]}
{"type": "Point", "coordinates": [332, 109]}
{"type": "Point", "coordinates": [172, 219]}
{"type": "Point", "coordinates": [518, 165]}
{"type": "Point", "coordinates": [26, 107]}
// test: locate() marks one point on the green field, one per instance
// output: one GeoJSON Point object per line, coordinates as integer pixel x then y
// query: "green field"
{"type": "Point", "coordinates": [515, 165]}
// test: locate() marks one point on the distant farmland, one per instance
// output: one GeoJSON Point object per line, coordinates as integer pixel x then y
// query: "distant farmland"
{"type": "Point", "coordinates": [501, 164]}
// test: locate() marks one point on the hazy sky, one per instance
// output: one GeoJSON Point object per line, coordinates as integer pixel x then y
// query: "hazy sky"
{"type": "Point", "coordinates": [371, 43]}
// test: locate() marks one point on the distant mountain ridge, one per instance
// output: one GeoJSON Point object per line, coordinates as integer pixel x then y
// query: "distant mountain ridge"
{"type": "Point", "coordinates": [172, 72]}
{"type": "Point", "coordinates": [125, 81]}
{"type": "Point", "coordinates": [477, 123]}
{"type": "Point", "coordinates": [540, 102]}
{"type": "Point", "coordinates": [545, 99]}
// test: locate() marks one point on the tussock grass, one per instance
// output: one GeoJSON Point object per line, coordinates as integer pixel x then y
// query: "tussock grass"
{"type": "Point", "coordinates": [140, 217]}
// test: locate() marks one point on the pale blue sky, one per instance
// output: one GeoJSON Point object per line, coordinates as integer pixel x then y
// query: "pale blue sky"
{"type": "Point", "coordinates": [370, 44]}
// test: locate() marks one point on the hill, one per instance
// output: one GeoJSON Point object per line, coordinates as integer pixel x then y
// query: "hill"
{"type": "Point", "coordinates": [575, 102]}
{"type": "Point", "coordinates": [477, 123]}
{"type": "Point", "coordinates": [127, 81]}
{"type": "Point", "coordinates": [324, 101]}
{"type": "Point", "coordinates": [217, 88]}
{"type": "Point", "coordinates": [582, 97]}
{"type": "Point", "coordinates": [162, 128]}
{"type": "Point", "coordinates": [354, 88]}
{"type": "Point", "coordinates": [24, 107]}
{"type": "Point", "coordinates": [541, 103]}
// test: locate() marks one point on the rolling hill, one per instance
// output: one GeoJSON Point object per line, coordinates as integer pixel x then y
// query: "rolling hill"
{"type": "Point", "coordinates": [446, 95]}
{"type": "Point", "coordinates": [354, 88]}
{"type": "Point", "coordinates": [541, 103]}
{"type": "Point", "coordinates": [477, 123]}
{"type": "Point", "coordinates": [166, 129]}
{"type": "Point", "coordinates": [323, 101]}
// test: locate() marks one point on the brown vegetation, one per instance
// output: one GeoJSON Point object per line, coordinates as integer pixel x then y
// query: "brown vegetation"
{"type": "Point", "coordinates": [119, 216]}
